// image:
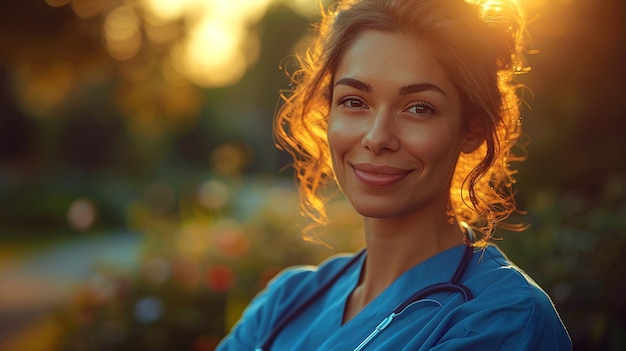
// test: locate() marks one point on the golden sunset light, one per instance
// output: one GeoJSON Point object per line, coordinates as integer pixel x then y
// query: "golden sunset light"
{"type": "Point", "coordinates": [219, 44]}
{"type": "Point", "coordinates": [148, 190]}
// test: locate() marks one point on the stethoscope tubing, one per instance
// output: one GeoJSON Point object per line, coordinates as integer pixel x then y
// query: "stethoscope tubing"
{"type": "Point", "coordinates": [454, 286]}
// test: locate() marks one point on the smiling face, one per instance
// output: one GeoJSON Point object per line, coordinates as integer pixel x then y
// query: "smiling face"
{"type": "Point", "coordinates": [395, 128]}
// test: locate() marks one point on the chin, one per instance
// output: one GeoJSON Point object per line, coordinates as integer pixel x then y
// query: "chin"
{"type": "Point", "coordinates": [375, 211]}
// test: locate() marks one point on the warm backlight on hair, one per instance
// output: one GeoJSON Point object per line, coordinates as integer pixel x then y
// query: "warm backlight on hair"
{"type": "Point", "coordinates": [497, 5]}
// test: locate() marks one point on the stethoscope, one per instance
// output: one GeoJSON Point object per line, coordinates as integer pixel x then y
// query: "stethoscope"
{"type": "Point", "coordinates": [453, 286]}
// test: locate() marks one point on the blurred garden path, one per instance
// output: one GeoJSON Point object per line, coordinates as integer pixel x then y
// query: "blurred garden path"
{"type": "Point", "coordinates": [34, 283]}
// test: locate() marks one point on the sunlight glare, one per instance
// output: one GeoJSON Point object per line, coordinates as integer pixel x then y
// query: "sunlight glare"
{"type": "Point", "coordinates": [210, 43]}
{"type": "Point", "coordinates": [218, 45]}
{"type": "Point", "coordinates": [165, 10]}
{"type": "Point", "coordinates": [243, 11]}
{"type": "Point", "coordinates": [211, 55]}
{"type": "Point", "coordinates": [535, 3]}
{"type": "Point", "coordinates": [303, 7]}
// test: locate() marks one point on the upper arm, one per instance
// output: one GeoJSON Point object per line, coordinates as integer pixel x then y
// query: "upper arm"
{"type": "Point", "coordinates": [265, 309]}
{"type": "Point", "coordinates": [245, 334]}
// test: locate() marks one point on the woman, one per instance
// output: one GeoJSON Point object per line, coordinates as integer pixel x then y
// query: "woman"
{"type": "Point", "coordinates": [409, 105]}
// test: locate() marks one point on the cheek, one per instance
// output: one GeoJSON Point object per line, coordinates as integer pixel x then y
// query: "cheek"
{"type": "Point", "coordinates": [338, 136]}
{"type": "Point", "coordinates": [434, 146]}
{"type": "Point", "coordinates": [340, 141]}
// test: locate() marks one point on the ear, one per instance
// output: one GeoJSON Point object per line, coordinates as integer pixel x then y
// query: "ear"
{"type": "Point", "coordinates": [473, 137]}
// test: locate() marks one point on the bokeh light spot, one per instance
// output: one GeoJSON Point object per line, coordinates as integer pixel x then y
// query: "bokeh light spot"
{"type": "Point", "coordinates": [210, 56]}
{"type": "Point", "coordinates": [81, 214]}
{"type": "Point", "coordinates": [47, 89]}
{"type": "Point", "coordinates": [87, 8]}
{"type": "Point", "coordinates": [164, 10]}
{"type": "Point", "coordinates": [193, 240]}
{"type": "Point", "coordinates": [220, 277]}
{"type": "Point", "coordinates": [122, 33]}
{"type": "Point", "coordinates": [148, 309]}
{"type": "Point", "coordinates": [230, 239]}
{"type": "Point", "coordinates": [229, 159]}
{"type": "Point", "coordinates": [213, 194]}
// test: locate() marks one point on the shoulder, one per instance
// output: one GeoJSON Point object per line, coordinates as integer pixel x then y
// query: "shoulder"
{"type": "Point", "coordinates": [512, 305]}
{"type": "Point", "coordinates": [296, 283]}
{"type": "Point", "coordinates": [298, 280]}
{"type": "Point", "coordinates": [284, 291]}
{"type": "Point", "coordinates": [494, 275]}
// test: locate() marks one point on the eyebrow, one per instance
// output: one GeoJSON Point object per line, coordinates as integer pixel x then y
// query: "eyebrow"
{"type": "Point", "coordinates": [355, 83]}
{"type": "Point", "coordinates": [416, 88]}
{"type": "Point", "coordinates": [405, 90]}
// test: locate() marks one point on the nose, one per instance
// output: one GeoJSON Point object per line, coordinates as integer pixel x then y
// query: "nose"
{"type": "Point", "coordinates": [381, 133]}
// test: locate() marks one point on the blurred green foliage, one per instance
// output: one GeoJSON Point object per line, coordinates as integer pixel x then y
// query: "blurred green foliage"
{"type": "Point", "coordinates": [572, 249]}
{"type": "Point", "coordinates": [196, 172]}
{"type": "Point", "coordinates": [200, 272]}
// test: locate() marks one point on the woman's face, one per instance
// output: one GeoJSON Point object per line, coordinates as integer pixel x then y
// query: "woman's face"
{"type": "Point", "coordinates": [395, 128]}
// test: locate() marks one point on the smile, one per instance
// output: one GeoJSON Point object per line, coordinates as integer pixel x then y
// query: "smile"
{"type": "Point", "coordinates": [379, 176]}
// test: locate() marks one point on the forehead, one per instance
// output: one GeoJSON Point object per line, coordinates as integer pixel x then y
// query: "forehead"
{"type": "Point", "coordinates": [391, 59]}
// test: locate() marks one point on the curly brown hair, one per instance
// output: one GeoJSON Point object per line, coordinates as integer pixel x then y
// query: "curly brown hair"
{"type": "Point", "coordinates": [479, 44]}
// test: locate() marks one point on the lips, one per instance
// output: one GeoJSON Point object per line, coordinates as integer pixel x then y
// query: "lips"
{"type": "Point", "coordinates": [379, 176]}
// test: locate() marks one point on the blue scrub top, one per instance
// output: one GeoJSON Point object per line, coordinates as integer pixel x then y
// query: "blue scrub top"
{"type": "Point", "coordinates": [509, 310]}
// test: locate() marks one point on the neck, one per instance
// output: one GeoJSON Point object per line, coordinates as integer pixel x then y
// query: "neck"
{"type": "Point", "coordinates": [393, 247]}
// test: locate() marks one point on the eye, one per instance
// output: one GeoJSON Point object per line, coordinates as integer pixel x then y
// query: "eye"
{"type": "Point", "coordinates": [421, 108]}
{"type": "Point", "coordinates": [353, 102]}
